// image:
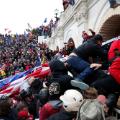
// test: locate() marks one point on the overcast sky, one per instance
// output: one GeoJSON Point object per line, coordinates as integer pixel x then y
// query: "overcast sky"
{"type": "Point", "coordinates": [15, 14]}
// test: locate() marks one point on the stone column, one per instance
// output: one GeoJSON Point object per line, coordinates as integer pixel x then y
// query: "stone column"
{"type": "Point", "coordinates": [60, 37]}
{"type": "Point", "coordinates": [81, 15]}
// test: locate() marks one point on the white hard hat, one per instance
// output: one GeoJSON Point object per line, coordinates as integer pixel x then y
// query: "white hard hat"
{"type": "Point", "coordinates": [72, 100]}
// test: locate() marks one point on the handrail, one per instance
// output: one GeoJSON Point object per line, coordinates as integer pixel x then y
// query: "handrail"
{"type": "Point", "coordinates": [111, 40]}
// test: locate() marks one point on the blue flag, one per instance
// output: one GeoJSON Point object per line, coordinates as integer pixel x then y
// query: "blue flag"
{"type": "Point", "coordinates": [45, 20]}
{"type": "Point", "coordinates": [38, 61]}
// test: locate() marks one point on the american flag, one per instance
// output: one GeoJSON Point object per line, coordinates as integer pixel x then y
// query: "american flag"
{"type": "Point", "coordinates": [12, 85]}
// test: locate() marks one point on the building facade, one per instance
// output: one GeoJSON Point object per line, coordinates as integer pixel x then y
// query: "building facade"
{"type": "Point", "coordinates": [85, 14]}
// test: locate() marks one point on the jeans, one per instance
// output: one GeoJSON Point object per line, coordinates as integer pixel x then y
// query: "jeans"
{"type": "Point", "coordinates": [80, 66]}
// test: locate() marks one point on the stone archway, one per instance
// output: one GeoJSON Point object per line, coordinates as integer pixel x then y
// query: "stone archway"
{"type": "Point", "coordinates": [111, 27]}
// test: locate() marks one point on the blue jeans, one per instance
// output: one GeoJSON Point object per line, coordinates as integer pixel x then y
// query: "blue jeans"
{"type": "Point", "coordinates": [80, 66]}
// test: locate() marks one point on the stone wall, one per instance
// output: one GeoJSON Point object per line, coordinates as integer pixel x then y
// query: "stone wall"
{"type": "Point", "coordinates": [83, 15]}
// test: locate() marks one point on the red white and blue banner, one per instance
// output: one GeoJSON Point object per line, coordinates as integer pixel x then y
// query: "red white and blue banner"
{"type": "Point", "coordinates": [11, 85]}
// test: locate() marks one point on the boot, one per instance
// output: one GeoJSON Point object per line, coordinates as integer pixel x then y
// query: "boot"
{"type": "Point", "coordinates": [79, 84]}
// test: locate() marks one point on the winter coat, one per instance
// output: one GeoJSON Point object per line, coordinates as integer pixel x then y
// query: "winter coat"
{"type": "Point", "coordinates": [114, 69]}
{"type": "Point", "coordinates": [89, 49]}
{"type": "Point", "coordinates": [114, 45]}
{"type": "Point", "coordinates": [49, 109]}
{"type": "Point", "coordinates": [5, 118]}
{"type": "Point", "coordinates": [62, 115]}
{"type": "Point", "coordinates": [60, 75]}
{"type": "Point", "coordinates": [12, 115]}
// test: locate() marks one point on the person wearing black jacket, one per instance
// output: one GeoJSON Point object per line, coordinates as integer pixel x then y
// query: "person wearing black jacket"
{"type": "Point", "coordinates": [60, 75]}
{"type": "Point", "coordinates": [79, 59]}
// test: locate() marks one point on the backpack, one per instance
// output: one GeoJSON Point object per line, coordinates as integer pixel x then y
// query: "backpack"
{"type": "Point", "coordinates": [91, 110]}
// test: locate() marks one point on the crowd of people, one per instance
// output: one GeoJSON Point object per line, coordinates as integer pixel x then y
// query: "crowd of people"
{"type": "Point", "coordinates": [61, 96]}
{"type": "Point", "coordinates": [46, 30]}
{"type": "Point", "coordinates": [17, 54]}
{"type": "Point", "coordinates": [83, 83]}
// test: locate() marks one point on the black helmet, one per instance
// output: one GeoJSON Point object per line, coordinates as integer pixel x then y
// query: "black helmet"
{"type": "Point", "coordinates": [43, 95]}
{"type": "Point", "coordinates": [57, 66]}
